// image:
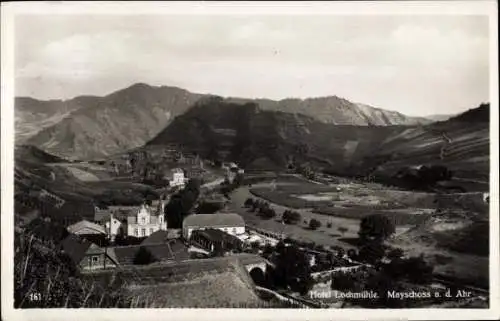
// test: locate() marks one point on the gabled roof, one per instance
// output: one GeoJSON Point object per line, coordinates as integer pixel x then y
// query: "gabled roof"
{"type": "Point", "coordinates": [217, 235]}
{"type": "Point", "coordinates": [77, 248]}
{"type": "Point", "coordinates": [159, 237]}
{"type": "Point", "coordinates": [171, 251]}
{"type": "Point", "coordinates": [95, 228]}
{"type": "Point", "coordinates": [213, 220]}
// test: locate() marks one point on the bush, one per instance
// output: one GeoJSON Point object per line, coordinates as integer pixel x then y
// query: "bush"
{"type": "Point", "coordinates": [375, 227]}
{"type": "Point", "coordinates": [314, 224]}
{"type": "Point", "coordinates": [372, 252]}
{"type": "Point", "coordinates": [351, 253]}
{"type": "Point", "coordinates": [249, 202]}
{"type": "Point", "coordinates": [267, 213]}
{"type": "Point", "coordinates": [291, 217]}
{"type": "Point", "coordinates": [208, 207]}
{"type": "Point", "coordinates": [329, 224]}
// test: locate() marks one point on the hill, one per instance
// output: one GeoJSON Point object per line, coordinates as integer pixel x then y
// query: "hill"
{"type": "Point", "coordinates": [120, 121]}
{"type": "Point", "coordinates": [44, 187]}
{"type": "Point", "coordinates": [336, 110]}
{"type": "Point", "coordinates": [217, 129]}
{"type": "Point", "coordinates": [32, 116]}
{"type": "Point", "coordinates": [93, 127]}
{"type": "Point", "coordinates": [461, 144]}
{"type": "Point", "coordinates": [31, 154]}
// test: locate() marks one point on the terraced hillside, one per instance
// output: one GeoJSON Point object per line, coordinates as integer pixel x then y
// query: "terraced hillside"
{"type": "Point", "coordinates": [461, 144]}
{"type": "Point", "coordinates": [93, 127]}
{"type": "Point", "coordinates": [32, 116]}
{"type": "Point", "coordinates": [246, 133]}
{"type": "Point", "coordinates": [122, 120]}
{"type": "Point", "coordinates": [56, 192]}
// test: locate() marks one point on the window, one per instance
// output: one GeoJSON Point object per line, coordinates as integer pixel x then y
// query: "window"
{"type": "Point", "coordinates": [143, 232]}
{"type": "Point", "coordinates": [143, 220]}
{"type": "Point", "coordinates": [136, 232]}
{"type": "Point", "coordinates": [151, 231]}
{"type": "Point", "coordinates": [234, 230]}
{"type": "Point", "coordinates": [95, 259]}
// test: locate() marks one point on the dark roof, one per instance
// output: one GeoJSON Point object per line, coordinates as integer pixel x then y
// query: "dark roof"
{"type": "Point", "coordinates": [216, 235]}
{"type": "Point", "coordinates": [160, 237]}
{"type": "Point", "coordinates": [174, 250]}
{"type": "Point", "coordinates": [75, 247]}
{"type": "Point", "coordinates": [213, 220]}
{"type": "Point", "coordinates": [126, 254]}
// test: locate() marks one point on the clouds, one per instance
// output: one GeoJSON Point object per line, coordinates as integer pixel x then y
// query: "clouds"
{"type": "Point", "coordinates": [413, 64]}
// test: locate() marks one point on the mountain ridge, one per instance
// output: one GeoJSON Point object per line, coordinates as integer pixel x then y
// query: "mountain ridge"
{"type": "Point", "coordinates": [89, 127]}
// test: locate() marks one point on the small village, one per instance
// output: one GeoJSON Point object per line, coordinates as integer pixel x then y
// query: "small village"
{"type": "Point", "coordinates": [137, 243]}
{"type": "Point", "coordinates": [139, 238]}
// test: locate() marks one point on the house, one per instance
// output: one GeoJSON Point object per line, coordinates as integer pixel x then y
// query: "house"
{"type": "Point", "coordinates": [228, 222]}
{"type": "Point", "coordinates": [216, 241]}
{"type": "Point", "coordinates": [177, 178]}
{"type": "Point", "coordinates": [145, 222]}
{"type": "Point", "coordinates": [87, 255]}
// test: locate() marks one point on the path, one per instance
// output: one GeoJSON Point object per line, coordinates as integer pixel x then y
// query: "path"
{"type": "Point", "coordinates": [446, 141]}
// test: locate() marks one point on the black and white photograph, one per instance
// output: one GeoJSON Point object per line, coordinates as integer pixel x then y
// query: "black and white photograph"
{"type": "Point", "coordinates": [256, 156]}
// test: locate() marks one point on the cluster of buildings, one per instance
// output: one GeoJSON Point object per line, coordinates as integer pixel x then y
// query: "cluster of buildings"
{"type": "Point", "coordinates": [92, 245]}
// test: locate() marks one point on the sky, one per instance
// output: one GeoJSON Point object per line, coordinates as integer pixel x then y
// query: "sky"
{"type": "Point", "coordinates": [417, 65]}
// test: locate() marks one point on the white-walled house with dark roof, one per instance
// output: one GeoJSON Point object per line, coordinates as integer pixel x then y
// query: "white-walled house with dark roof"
{"type": "Point", "coordinates": [228, 222]}
{"type": "Point", "coordinates": [145, 223]}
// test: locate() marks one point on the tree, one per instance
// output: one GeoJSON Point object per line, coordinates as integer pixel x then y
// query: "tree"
{"type": "Point", "coordinates": [352, 254]}
{"type": "Point", "coordinates": [291, 217]}
{"type": "Point", "coordinates": [249, 202]}
{"type": "Point", "coordinates": [314, 224]}
{"type": "Point", "coordinates": [207, 207]}
{"type": "Point", "coordinates": [395, 253]}
{"type": "Point", "coordinates": [344, 282]}
{"type": "Point", "coordinates": [293, 270]}
{"type": "Point", "coordinates": [267, 213]}
{"type": "Point", "coordinates": [268, 250]}
{"type": "Point", "coordinates": [375, 227]}
{"type": "Point", "coordinates": [340, 252]}
{"type": "Point", "coordinates": [372, 252]}
{"type": "Point", "coordinates": [418, 270]}
{"type": "Point", "coordinates": [182, 203]}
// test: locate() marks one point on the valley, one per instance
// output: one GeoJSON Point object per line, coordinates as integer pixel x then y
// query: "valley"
{"type": "Point", "coordinates": [331, 176]}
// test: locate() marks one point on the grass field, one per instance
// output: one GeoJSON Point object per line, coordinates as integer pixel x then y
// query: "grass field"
{"type": "Point", "coordinates": [398, 217]}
